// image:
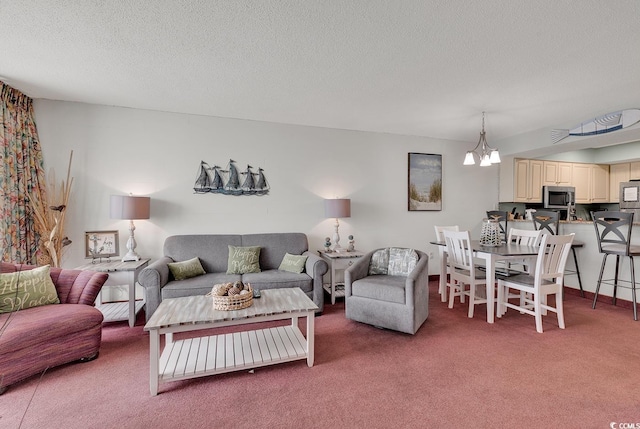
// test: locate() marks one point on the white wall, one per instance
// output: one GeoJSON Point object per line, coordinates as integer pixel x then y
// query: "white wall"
{"type": "Point", "coordinates": [120, 150]}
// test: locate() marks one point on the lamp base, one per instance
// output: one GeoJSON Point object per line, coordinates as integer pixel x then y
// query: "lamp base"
{"type": "Point", "coordinates": [130, 257]}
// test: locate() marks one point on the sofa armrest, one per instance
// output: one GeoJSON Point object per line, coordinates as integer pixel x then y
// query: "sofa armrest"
{"type": "Point", "coordinates": [153, 278]}
{"type": "Point", "coordinates": [357, 271]}
{"type": "Point", "coordinates": [316, 267]}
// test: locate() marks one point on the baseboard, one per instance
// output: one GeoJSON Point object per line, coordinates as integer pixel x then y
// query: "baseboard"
{"type": "Point", "coordinates": [602, 299]}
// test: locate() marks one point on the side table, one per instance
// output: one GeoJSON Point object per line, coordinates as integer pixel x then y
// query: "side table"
{"type": "Point", "coordinates": [120, 273]}
{"type": "Point", "coordinates": [338, 262]}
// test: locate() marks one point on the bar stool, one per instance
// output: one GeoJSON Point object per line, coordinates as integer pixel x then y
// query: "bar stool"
{"type": "Point", "coordinates": [549, 221]}
{"type": "Point", "coordinates": [613, 230]}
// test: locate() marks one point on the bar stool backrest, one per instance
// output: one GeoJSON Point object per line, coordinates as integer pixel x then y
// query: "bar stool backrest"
{"type": "Point", "coordinates": [503, 219]}
{"type": "Point", "coordinates": [546, 220]}
{"type": "Point", "coordinates": [613, 230]}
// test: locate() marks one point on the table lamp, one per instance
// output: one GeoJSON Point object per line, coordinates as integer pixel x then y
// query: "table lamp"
{"type": "Point", "coordinates": [337, 208]}
{"type": "Point", "coordinates": [130, 208]}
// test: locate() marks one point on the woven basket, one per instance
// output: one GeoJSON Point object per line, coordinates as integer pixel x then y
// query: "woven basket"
{"type": "Point", "coordinates": [234, 302]}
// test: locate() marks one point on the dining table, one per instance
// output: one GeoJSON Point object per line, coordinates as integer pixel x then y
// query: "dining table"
{"type": "Point", "coordinates": [490, 255]}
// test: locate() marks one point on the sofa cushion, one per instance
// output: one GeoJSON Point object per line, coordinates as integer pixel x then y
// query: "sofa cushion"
{"type": "Point", "coordinates": [34, 327]}
{"type": "Point", "coordinates": [381, 288]}
{"type": "Point", "coordinates": [211, 249]}
{"type": "Point", "coordinates": [293, 263]}
{"type": "Point", "coordinates": [401, 261]}
{"type": "Point", "coordinates": [186, 269]}
{"type": "Point", "coordinates": [27, 289]}
{"type": "Point", "coordinates": [243, 259]}
{"type": "Point", "coordinates": [200, 285]}
{"type": "Point", "coordinates": [275, 245]}
{"type": "Point", "coordinates": [273, 279]}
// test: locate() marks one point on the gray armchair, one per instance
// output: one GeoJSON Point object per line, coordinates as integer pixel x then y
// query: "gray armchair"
{"type": "Point", "coordinates": [389, 288]}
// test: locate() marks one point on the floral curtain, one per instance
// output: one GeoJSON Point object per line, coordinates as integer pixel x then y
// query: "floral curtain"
{"type": "Point", "coordinates": [21, 173]}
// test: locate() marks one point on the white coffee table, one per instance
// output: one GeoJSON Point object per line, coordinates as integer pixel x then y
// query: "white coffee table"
{"type": "Point", "coordinates": [217, 354]}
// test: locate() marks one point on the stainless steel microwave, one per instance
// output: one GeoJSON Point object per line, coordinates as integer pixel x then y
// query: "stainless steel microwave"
{"type": "Point", "coordinates": [558, 197]}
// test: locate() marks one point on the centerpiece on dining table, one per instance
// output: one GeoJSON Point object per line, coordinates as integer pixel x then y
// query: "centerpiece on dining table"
{"type": "Point", "coordinates": [490, 235]}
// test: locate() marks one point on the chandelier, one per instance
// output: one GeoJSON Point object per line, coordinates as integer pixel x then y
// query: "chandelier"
{"type": "Point", "coordinates": [487, 155]}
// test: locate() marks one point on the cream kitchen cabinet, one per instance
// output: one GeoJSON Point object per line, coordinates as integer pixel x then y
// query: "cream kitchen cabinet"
{"type": "Point", "coordinates": [618, 173]}
{"type": "Point", "coordinates": [528, 180]}
{"type": "Point", "coordinates": [591, 182]}
{"type": "Point", "coordinates": [556, 173]}
{"type": "Point", "coordinates": [634, 170]}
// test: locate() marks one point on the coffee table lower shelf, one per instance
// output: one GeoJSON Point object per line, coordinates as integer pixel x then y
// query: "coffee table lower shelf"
{"type": "Point", "coordinates": [203, 356]}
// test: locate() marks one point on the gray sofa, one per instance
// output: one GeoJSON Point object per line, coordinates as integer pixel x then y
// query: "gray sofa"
{"type": "Point", "coordinates": [213, 252]}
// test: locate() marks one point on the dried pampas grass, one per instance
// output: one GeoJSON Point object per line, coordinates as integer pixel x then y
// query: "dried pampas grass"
{"type": "Point", "coordinates": [49, 217]}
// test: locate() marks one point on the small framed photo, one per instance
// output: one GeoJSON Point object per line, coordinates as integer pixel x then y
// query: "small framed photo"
{"type": "Point", "coordinates": [425, 182]}
{"type": "Point", "coordinates": [101, 244]}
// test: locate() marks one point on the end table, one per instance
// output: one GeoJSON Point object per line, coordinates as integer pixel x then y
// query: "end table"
{"type": "Point", "coordinates": [338, 262]}
{"type": "Point", "coordinates": [120, 273]}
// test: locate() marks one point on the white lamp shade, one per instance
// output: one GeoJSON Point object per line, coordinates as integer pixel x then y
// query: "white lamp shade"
{"type": "Point", "coordinates": [485, 162]}
{"type": "Point", "coordinates": [129, 207]}
{"type": "Point", "coordinates": [468, 159]}
{"type": "Point", "coordinates": [494, 157]}
{"type": "Point", "coordinates": [337, 208]}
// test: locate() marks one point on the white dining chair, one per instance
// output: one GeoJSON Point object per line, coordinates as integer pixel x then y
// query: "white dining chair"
{"type": "Point", "coordinates": [547, 279]}
{"type": "Point", "coordinates": [463, 270]}
{"type": "Point", "coordinates": [525, 237]}
{"type": "Point", "coordinates": [442, 288]}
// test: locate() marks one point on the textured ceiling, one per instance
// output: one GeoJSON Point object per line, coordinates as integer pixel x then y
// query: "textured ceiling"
{"type": "Point", "coordinates": [416, 67]}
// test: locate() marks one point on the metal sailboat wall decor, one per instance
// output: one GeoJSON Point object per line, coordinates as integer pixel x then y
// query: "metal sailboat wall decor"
{"type": "Point", "coordinates": [230, 181]}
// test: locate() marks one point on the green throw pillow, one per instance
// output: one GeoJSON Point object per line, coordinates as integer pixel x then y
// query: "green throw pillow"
{"type": "Point", "coordinates": [26, 289]}
{"type": "Point", "coordinates": [243, 260]}
{"type": "Point", "coordinates": [293, 263]}
{"type": "Point", "coordinates": [186, 269]}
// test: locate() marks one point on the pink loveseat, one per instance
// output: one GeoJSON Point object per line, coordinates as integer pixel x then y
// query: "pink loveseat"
{"type": "Point", "coordinates": [34, 339]}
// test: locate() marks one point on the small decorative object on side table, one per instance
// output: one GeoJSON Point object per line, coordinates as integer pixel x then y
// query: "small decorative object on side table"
{"type": "Point", "coordinates": [338, 262]}
{"type": "Point", "coordinates": [120, 273]}
{"type": "Point", "coordinates": [327, 245]}
{"type": "Point", "coordinates": [352, 243]}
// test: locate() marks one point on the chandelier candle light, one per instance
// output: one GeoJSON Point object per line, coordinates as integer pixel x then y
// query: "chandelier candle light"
{"type": "Point", "coordinates": [130, 208]}
{"type": "Point", "coordinates": [337, 208]}
{"type": "Point", "coordinates": [487, 154]}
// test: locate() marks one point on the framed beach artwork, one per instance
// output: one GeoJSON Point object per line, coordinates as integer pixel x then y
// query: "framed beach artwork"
{"type": "Point", "coordinates": [101, 244]}
{"type": "Point", "coordinates": [425, 182]}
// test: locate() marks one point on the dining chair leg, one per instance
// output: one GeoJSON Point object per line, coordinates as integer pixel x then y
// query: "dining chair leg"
{"type": "Point", "coordinates": [633, 288]}
{"type": "Point", "coordinates": [453, 287]}
{"type": "Point", "coordinates": [537, 309]}
{"type": "Point", "coordinates": [560, 310]}
{"type": "Point", "coordinates": [575, 260]}
{"type": "Point", "coordinates": [472, 299]}
{"type": "Point", "coordinates": [595, 296]}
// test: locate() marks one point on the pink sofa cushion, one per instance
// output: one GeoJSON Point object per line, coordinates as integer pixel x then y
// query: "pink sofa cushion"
{"type": "Point", "coordinates": [36, 326]}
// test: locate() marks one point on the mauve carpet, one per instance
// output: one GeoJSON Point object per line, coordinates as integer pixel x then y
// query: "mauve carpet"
{"type": "Point", "coordinates": [455, 372]}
